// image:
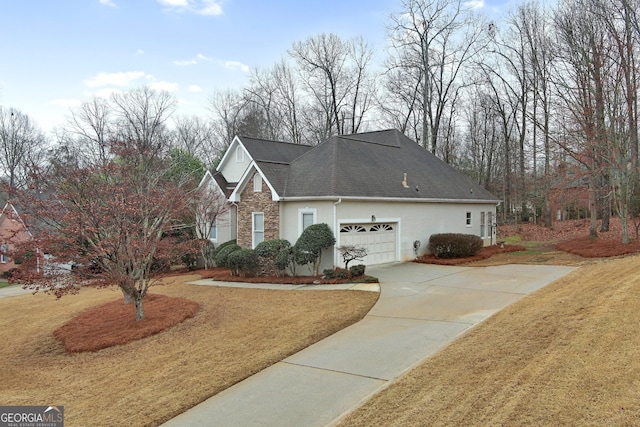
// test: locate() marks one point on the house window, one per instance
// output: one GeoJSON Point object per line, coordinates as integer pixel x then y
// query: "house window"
{"type": "Point", "coordinates": [213, 231]}
{"type": "Point", "coordinates": [490, 223]}
{"type": "Point", "coordinates": [257, 183]}
{"type": "Point", "coordinates": [4, 251]}
{"type": "Point", "coordinates": [258, 228]}
{"type": "Point", "coordinates": [306, 217]}
{"type": "Point", "coordinates": [468, 219]}
{"type": "Point", "coordinates": [483, 225]}
{"type": "Point", "coordinates": [239, 155]}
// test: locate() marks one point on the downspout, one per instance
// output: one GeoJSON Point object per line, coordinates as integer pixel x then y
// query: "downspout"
{"type": "Point", "coordinates": [336, 232]}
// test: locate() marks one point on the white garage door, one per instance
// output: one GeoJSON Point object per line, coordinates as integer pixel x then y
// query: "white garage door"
{"type": "Point", "coordinates": [378, 239]}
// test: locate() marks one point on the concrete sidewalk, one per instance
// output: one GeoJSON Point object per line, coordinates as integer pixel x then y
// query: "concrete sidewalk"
{"type": "Point", "coordinates": [421, 309]}
{"type": "Point", "coordinates": [13, 291]}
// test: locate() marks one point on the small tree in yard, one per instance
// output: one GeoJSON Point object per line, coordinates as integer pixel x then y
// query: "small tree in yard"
{"type": "Point", "coordinates": [351, 253]}
{"type": "Point", "coordinates": [309, 246]}
{"type": "Point", "coordinates": [207, 205]}
{"type": "Point", "coordinates": [111, 221]}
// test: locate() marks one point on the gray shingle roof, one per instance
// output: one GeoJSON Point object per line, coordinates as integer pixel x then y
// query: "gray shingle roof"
{"type": "Point", "coordinates": [264, 150]}
{"type": "Point", "coordinates": [368, 165]}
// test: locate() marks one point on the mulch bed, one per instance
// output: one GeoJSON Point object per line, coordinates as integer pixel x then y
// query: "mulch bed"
{"type": "Point", "coordinates": [223, 274]}
{"type": "Point", "coordinates": [486, 252]}
{"type": "Point", "coordinates": [598, 248]}
{"type": "Point", "coordinates": [115, 323]}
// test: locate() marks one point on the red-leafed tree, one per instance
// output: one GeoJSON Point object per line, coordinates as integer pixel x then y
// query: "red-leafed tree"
{"type": "Point", "coordinates": [112, 223]}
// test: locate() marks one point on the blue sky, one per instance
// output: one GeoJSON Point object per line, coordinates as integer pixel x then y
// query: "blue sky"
{"type": "Point", "coordinates": [56, 53]}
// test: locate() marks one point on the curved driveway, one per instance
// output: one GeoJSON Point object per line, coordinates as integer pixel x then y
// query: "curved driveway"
{"type": "Point", "coordinates": [421, 309]}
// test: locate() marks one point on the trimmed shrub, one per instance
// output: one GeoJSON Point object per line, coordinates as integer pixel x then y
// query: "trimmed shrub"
{"type": "Point", "coordinates": [309, 246]}
{"type": "Point", "coordinates": [357, 270]}
{"type": "Point", "coordinates": [243, 262]}
{"type": "Point", "coordinates": [271, 248]}
{"type": "Point", "coordinates": [454, 245]}
{"type": "Point", "coordinates": [268, 252]}
{"type": "Point", "coordinates": [223, 254]}
{"type": "Point", "coordinates": [221, 246]}
{"type": "Point", "coordinates": [342, 274]}
{"type": "Point", "coordinates": [329, 273]}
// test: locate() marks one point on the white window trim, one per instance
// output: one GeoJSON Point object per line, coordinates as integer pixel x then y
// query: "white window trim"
{"type": "Point", "coordinates": [4, 257]}
{"type": "Point", "coordinates": [469, 219]}
{"type": "Point", "coordinates": [211, 227]}
{"type": "Point", "coordinates": [303, 211]}
{"type": "Point", "coordinates": [257, 183]}
{"type": "Point", "coordinates": [253, 228]}
{"type": "Point", "coordinates": [483, 225]}
{"type": "Point", "coordinates": [239, 155]}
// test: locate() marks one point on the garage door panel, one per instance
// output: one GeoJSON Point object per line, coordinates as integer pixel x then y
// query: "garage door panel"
{"type": "Point", "coordinates": [378, 239]}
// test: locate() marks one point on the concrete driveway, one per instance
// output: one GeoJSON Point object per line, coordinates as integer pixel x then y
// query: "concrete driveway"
{"type": "Point", "coordinates": [421, 309]}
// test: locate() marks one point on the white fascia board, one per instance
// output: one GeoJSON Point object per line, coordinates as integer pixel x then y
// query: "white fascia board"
{"type": "Point", "coordinates": [230, 150]}
{"type": "Point", "coordinates": [391, 199]}
{"type": "Point", "coordinates": [207, 176]}
{"type": "Point", "coordinates": [248, 173]}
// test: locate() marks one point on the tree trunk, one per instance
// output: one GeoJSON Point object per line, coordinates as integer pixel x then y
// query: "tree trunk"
{"type": "Point", "coordinates": [139, 307]}
{"type": "Point", "coordinates": [128, 299]}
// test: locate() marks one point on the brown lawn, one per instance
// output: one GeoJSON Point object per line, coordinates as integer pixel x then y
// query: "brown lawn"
{"type": "Point", "coordinates": [568, 354]}
{"type": "Point", "coordinates": [233, 334]}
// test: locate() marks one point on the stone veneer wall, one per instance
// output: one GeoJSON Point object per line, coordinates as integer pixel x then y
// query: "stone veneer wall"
{"type": "Point", "coordinates": [251, 202]}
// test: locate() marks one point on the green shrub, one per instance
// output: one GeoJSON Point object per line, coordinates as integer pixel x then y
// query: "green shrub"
{"type": "Point", "coordinates": [309, 246]}
{"type": "Point", "coordinates": [190, 260]}
{"type": "Point", "coordinates": [243, 262]}
{"type": "Point", "coordinates": [268, 252]}
{"type": "Point", "coordinates": [223, 254]}
{"type": "Point", "coordinates": [221, 246]}
{"type": "Point", "coordinates": [357, 270]}
{"type": "Point", "coordinates": [329, 273]}
{"type": "Point", "coordinates": [342, 274]}
{"type": "Point", "coordinates": [271, 248]}
{"type": "Point", "coordinates": [454, 245]}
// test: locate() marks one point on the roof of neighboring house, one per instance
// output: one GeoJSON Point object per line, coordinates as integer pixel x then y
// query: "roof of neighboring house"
{"type": "Point", "coordinates": [367, 165]}
{"type": "Point", "coordinates": [264, 150]}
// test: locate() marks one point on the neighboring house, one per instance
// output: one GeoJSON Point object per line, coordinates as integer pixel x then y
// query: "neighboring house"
{"type": "Point", "coordinates": [377, 190]}
{"type": "Point", "coordinates": [12, 231]}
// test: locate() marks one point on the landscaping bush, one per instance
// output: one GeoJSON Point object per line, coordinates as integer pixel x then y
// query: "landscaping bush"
{"type": "Point", "coordinates": [268, 252]}
{"type": "Point", "coordinates": [243, 262]}
{"type": "Point", "coordinates": [309, 246]}
{"type": "Point", "coordinates": [223, 254]}
{"type": "Point", "coordinates": [329, 273]}
{"type": "Point", "coordinates": [190, 260]}
{"type": "Point", "coordinates": [357, 270]}
{"type": "Point", "coordinates": [221, 246]}
{"type": "Point", "coordinates": [454, 245]}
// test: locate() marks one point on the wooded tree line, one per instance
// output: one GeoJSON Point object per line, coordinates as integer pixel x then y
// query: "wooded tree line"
{"type": "Point", "coordinates": [508, 101]}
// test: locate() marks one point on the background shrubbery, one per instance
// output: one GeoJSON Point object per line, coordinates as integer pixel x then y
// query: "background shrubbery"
{"type": "Point", "coordinates": [454, 245]}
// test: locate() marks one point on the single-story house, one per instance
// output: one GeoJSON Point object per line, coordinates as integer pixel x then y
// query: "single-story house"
{"type": "Point", "coordinates": [377, 190]}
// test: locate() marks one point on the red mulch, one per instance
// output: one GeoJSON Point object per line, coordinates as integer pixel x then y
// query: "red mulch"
{"type": "Point", "coordinates": [486, 252]}
{"type": "Point", "coordinates": [598, 248]}
{"type": "Point", "coordinates": [223, 274]}
{"type": "Point", "coordinates": [115, 323]}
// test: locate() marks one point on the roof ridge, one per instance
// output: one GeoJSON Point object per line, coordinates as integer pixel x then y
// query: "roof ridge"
{"type": "Point", "coordinates": [273, 140]}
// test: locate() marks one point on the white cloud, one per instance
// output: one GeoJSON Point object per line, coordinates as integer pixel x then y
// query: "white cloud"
{"type": "Point", "coordinates": [174, 3]}
{"type": "Point", "coordinates": [139, 52]}
{"type": "Point", "coordinates": [108, 3]}
{"type": "Point", "coordinates": [211, 8]}
{"type": "Point", "coordinates": [236, 65]}
{"type": "Point", "coordinates": [201, 7]}
{"type": "Point", "coordinates": [474, 4]}
{"type": "Point", "coordinates": [102, 93]}
{"type": "Point", "coordinates": [204, 58]}
{"type": "Point", "coordinates": [65, 102]}
{"type": "Point", "coordinates": [166, 86]}
{"type": "Point", "coordinates": [194, 88]}
{"type": "Point", "coordinates": [117, 79]}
